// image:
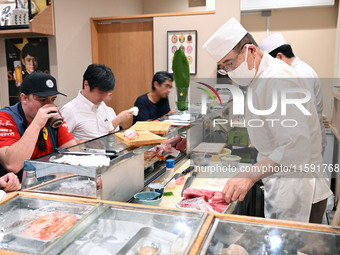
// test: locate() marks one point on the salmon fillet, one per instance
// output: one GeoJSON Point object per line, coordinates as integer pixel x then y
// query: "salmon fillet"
{"type": "Point", "coordinates": [49, 226]}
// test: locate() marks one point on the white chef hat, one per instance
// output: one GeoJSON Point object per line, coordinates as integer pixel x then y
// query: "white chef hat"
{"type": "Point", "coordinates": [225, 39]}
{"type": "Point", "coordinates": [272, 42]}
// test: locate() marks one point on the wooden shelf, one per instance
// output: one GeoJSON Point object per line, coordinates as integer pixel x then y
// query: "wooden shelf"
{"type": "Point", "coordinates": [41, 24]}
{"type": "Point", "coordinates": [148, 16]}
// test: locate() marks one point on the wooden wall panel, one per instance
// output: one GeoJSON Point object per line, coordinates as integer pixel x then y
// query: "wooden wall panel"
{"type": "Point", "coordinates": [127, 48]}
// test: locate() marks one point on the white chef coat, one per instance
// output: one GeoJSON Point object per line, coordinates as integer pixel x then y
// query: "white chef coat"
{"type": "Point", "coordinates": [312, 81]}
{"type": "Point", "coordinates": [290, 195]}
{"type": "Point", "coordinates": [87, 120]}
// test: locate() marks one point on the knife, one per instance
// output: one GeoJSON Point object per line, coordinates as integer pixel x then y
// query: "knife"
{"type": "Point", "coordinates": [189, 181]}
{"type": "Point", "coordinates": [188, 170]}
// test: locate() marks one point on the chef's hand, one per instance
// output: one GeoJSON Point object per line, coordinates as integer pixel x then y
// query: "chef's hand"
{"type": "Point", "coordinates": [9, 182]}
{"type": "Point", "coordinates": [237, 188]}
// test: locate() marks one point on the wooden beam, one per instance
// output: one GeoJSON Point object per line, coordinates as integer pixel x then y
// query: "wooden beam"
{"type": "Point", "coordinates": [94, 41]}
{"type": "Point", "coordinates": [146, 16]}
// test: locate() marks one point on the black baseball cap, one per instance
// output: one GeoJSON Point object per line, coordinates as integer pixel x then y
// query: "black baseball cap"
{"type": "Point", "coordinates": [40, 84]}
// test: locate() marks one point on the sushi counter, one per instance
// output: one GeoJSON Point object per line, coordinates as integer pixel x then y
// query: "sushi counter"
{"type": "Point", "coordinates": [34, 223]}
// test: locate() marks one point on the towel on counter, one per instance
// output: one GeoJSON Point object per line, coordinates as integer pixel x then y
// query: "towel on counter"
{"type": "Point", "coordinates": [90, 160]}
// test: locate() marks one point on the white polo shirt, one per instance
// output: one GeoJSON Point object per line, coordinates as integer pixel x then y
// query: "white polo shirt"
{"type": "Point", "coordinates": [87, 120]}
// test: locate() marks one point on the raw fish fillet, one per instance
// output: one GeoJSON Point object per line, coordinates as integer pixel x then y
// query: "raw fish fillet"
{"type": "Point", "coordinates": [49, 226]}
{"type": "Point", "coordinates": [214, 200]}
{"type": "Point", "coordinates": [192, 192]}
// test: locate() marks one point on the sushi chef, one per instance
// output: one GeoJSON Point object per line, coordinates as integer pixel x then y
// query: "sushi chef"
{"type": "Point", "coordinates": [286, 154]}
{"type": "Point", "coordinates": [277, 47]}
{"type": "Point", "coordinates": [87, 115]}
{"type": "Point", "coordinates": [24, 133]}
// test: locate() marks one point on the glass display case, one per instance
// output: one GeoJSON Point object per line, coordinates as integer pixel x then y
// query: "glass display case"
{"type": "Point", "coordinates": [237, 237]}
{"type": "Point", "coordinates": [114, 229]}
{"type": "Point", "coordinates": [125, 175]}
{"type": "Point", "coordinates": [30, 225]}
{"type": "Point", "coordinates": [36, 224]}
{"type": "Point", "coordinates": [111, 171]}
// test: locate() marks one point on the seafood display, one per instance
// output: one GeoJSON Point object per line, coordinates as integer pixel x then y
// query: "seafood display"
{"type": "Point", "coordinates": [118, 231]}
{"type": "Point", "coordinates": [30, 225]}
{"type": "Point", "coordinates": [171, 147]}
{"type": "Point", "coordinates": [49, 226]}
{"type": "Point", "coordinates": [203, 200]}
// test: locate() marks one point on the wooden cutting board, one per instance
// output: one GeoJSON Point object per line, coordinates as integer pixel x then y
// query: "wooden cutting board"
{"type": "Point", "coordinates": [211, 148]}
{"type": "Point", "coordinates": [145, 138]}
{"type": "Point", "coordinates": [158, 128]}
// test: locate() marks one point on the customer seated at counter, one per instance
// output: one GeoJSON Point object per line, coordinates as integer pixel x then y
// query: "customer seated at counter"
{"type": "Point", "coordinates": [24, 133]}
{"type": "Point", "coordinates": [87, 115]}
{"type": "Point", "coordinates": [155, 103]}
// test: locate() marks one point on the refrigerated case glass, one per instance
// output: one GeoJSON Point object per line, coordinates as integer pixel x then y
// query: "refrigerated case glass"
{"type": "Point", "coordinates": [30, 225]}
{"type": "Point", "coordinates": [231, 237]}
{"type": "Point", "coordinates": [132, 230]}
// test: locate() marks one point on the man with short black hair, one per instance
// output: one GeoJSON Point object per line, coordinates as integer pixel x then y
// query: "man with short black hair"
{"type": "Point", "coordinates": [24, 133]}
{"type": "Point", "coordinates": [87, 115]}
{"type": "Point", "coordinates": [29, 58]}
{"type": "Point", "coordinates": [277, 47]}
{"type": "Point", "coordinates": [155, 103]}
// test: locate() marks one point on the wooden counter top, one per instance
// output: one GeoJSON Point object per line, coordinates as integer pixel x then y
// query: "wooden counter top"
{"type": "Point", "coordinates": [215, 184]}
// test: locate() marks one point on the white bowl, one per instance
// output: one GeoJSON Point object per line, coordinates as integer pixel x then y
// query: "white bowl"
{"type": "Point", "coordinates": [230, 160]}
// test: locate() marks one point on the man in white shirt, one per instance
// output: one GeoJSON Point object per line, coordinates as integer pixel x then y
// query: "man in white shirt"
{"type": "Point", "coordinates": [297, 194]}
{"type": "Point", "coordinates": [87, 115]}
{"type": "Point", "coordinates": [277, 47]}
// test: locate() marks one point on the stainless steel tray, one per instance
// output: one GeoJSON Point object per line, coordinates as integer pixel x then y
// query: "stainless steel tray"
{"type": "Point", "coordinates": [267, 239]}
{"type": "Point", "coordinates": [110, 230]}
{"type": "Point", "coordinates": [17, 214]}
{"type": "Point", "coordinates": [71, 185]}
{"type": "Point", "coordinates": [146, 234]}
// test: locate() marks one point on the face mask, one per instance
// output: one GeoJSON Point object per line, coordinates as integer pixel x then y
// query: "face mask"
{"type": "Point", "coordinates": [242, 75]}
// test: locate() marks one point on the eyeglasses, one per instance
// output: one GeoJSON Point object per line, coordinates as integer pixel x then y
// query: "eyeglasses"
{"type": "Point", "coordinates": [229, 67]}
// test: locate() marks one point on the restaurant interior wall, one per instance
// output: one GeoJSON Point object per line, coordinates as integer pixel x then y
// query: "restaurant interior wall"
{"type": "Point", "coordinates": [312, 32]}
{"type": "Point", "coordinates": [165, 6]}
{"type": "Point", "coordinates": [73, 37]}
{"type": "Point", "coordinates": [205, 25]}
{"type": "Point", "coordinates": [70, 48]}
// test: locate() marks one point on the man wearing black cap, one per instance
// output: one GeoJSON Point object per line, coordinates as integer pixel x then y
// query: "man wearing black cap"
{"type": "Point", "coordinates": [24, 133]}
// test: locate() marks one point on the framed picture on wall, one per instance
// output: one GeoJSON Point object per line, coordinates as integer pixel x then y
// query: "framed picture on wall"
{"type": "Point", "coordinates": [24, 56]}
{"type": "Point", "coordinates": [186, 40]}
